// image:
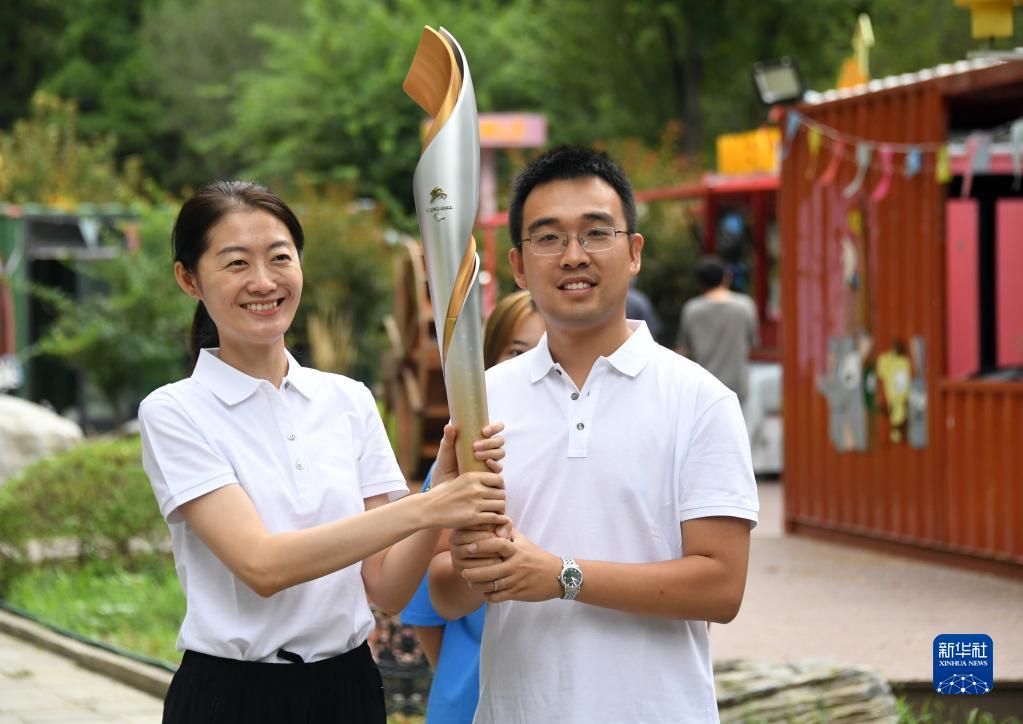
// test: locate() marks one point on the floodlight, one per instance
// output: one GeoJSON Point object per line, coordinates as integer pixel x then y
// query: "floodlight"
{"type": "Point", "coordinates": [778, 81]}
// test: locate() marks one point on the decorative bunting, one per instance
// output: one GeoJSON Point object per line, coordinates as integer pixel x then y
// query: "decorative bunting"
{"type": "Point", "coordinates": [942, 166]}
{"type": "Point", "coordinates": [971, 153]}
{"type": "Point", "coordinates": [982, 158]}
{"type": "Point", "coordinates": [862, 164]}
{"type": "Point", "coordinates": [1016, 139]}
{"type": "Point", "coordinates": [885, 184]}
{"type": "Point", "coordinates": [914, 162]}
{"type": "Point", "coordinates": [831, 171]}
{"type": "Point", "coordinates": [813, 143]}
{"type": "Point", "coordinates": [979, 147]}
{"type": "Point", "coordinates": [792, 121]}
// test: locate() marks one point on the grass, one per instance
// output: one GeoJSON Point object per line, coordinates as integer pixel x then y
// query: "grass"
{"type": "Point", "coordinates": [931, 712]}
{"type": "Point", "coordinates": [138, 610]}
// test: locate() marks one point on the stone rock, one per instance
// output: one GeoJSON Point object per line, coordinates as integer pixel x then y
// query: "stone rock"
{"type": "Point", "coordinates": [801, 691]}
{"type": "Point", "coordinates": [29, 432]}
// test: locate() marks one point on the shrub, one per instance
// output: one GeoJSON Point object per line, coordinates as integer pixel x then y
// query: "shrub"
{"type": "Point", "coordinates": [90, 503]}
{"type": "Point", "coordinates": [348, 287]}
{"type": "Point", "coordinates": [129, 336]}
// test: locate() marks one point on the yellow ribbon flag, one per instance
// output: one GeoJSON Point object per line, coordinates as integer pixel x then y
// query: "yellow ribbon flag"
{"type": "Point", "coordinates": [943, 166]}
{"type": "Point", "coordinates": [813, 142]}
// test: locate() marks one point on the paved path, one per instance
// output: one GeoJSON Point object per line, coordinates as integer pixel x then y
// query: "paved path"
{"type": "Point", "coordinates": [38, 686]}
{"type": "Point", "coordinates": [810, 599]}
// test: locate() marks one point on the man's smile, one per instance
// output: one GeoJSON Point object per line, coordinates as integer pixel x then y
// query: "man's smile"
{"type": "Point", "coordinates": [576, 284]}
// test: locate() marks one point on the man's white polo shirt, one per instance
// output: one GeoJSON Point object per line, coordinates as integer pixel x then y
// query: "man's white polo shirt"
{"type": "Point", "coordinates": [608, 472]}
{"type": "Point", "coordinates": [306, 454]}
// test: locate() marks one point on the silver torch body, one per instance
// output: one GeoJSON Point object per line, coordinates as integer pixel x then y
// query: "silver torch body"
{"type": "Point", "coordinates": [446, 189]}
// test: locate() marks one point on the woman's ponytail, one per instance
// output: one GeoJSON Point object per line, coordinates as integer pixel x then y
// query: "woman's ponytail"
{"type": "Point", "coordinates": [204, 333]}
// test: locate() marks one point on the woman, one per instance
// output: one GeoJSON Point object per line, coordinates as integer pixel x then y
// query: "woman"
{"type": "Point", "coordinates": [453, 647]}
{"type": "Point", "coordinates": [275, 480]}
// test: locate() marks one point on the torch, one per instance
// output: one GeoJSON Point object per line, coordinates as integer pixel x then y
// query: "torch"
{"type": "Point", "coordinates": [446, 188]}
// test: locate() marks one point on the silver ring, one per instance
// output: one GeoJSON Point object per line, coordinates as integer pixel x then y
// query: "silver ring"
{"type": "Point", "coordinates": [495, 586]}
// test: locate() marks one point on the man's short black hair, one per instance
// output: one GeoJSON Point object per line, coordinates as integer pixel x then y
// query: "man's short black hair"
{"type": "Point", "coordinates": [569, 162]}
{"type": "Point", "coordinates": [710, 271]}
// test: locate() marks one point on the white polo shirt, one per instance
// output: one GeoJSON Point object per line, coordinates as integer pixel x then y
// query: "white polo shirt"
{"type": "Point", "coordinates": [608, 472]}
{"type": "Point", "coordinates": [306, 454]}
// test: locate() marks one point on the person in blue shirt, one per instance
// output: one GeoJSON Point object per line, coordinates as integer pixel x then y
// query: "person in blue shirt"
{"type": "Point", "coordinates": [453, 647]}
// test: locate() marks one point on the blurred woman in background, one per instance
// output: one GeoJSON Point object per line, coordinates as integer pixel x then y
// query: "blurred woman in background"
{"type": "Point", "coordinates": [453, 647]}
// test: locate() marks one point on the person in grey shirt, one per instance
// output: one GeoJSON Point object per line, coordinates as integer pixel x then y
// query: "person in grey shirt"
{"type": "Point", "coordinates": [718, 328]}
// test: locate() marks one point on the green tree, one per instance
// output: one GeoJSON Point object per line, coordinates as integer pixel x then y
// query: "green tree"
{"type": "Point", "coordinates": [129, 336]}
{"type": "Point", "coordinates": [346, 266]}
{"type": "Point", "coordinates": [44, 159]}
{"type": "Point", "coordinates": [191, 52]}
{"type": "Point", "coordinates": [328, 100]}
{"type": "Point", "coordinates": [29, 30]}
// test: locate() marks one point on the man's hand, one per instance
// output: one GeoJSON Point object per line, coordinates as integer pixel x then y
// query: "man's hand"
{"type": "Point", "coordinates": [449, 592]}
{"type": "Point", "coordinates": [509, 570]}
{"type": "Point", "coordinates": [490, 449]}
{"type": "Point", "coordinates": [464, 554]}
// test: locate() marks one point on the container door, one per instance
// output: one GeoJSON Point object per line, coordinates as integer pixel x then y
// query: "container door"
{"type": "Point", "coordinates": [1008, 285]}
{"type": "Point", "coordinates": [962, 287]}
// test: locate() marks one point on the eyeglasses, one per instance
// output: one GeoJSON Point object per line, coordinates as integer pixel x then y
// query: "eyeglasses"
{"type": "Point", "coordinates": [594, 240]}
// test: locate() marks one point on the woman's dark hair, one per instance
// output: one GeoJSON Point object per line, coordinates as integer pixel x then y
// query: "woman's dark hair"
{"type": "Point", "coordinates": [569, 162]}
{"type": "Point", "coordinates": [199, 215]}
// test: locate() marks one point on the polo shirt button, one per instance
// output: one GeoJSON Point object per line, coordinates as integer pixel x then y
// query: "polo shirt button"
{"type": "Point", "coordinates": [291, 436]}
{"type": "Point", "coordinates": [575, 395]}
{"type": "Point", "coordinates": [580, 426]}
{"type": "Point", "coordinates": [298, 465]}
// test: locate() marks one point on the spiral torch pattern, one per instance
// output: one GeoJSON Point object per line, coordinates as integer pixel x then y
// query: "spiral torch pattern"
{"type": "Point", "coordinates": [446, 189]}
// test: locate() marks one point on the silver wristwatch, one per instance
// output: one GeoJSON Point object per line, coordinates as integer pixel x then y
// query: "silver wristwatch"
{"type": "Point", "coordinates": [571, 579]}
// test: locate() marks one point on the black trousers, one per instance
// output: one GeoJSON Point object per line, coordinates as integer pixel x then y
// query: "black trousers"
{"type": "Point", "coordinates": [345, 688]}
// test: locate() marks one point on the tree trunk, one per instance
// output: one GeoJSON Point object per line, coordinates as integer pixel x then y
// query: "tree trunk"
{"type": "Point", "coordinates": [687, 73]}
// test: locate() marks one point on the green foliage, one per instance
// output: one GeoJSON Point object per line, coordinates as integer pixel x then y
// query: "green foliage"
{"type": "Point", "coordinates": [138, 609]}
{"type": "Point", "coordinates": [101, 69]}
{"type": "Point", "coordinates": [92, 501]}
{"type": "Point", "coordinates": [29, 31]}
{"type": "Point", "coordinates": [670, 228]}
{"type": "Point", "coordinates": [129, 336]}
{"type": "Point", "coordinates": [328, 100]}
{"type": "Point", "coordinates": [346, 266]}
{"type": "Point", "coordinates": [203, 88]}
{"type": "Point", "coordinates": [44, 159]}
{"type": "Point", "coordinates": [936, 712]}
{"type": "Point", "coordinates": [191, 52]}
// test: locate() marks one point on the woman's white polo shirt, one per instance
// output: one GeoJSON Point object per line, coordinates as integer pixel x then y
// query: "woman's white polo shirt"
{"type": "Point", "coordinates": [306, 454]}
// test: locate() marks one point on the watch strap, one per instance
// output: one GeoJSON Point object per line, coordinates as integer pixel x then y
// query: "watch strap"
{"type": "Point", "coordinates": [568, 592]}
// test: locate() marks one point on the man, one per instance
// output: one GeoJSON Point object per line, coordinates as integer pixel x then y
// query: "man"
{"type": "Point", "coordinates": [718, 328]}
{"type": "Point", "coordinates": [617, 449]}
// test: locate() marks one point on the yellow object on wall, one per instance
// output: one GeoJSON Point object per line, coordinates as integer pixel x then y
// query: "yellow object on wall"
{"type": "Point", "coordinates": [749, 152]}
{"type": "Point", "coordinates": [990, 18]}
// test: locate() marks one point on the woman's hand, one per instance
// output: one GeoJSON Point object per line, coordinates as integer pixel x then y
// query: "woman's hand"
{"type": "Point", "coordinates": [471, 499]}
{"type": "Point", "coordinates": [490, 449]}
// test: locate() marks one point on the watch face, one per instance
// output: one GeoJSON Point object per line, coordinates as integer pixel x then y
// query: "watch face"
{"type": "Point", "coordinates": [572, 577]}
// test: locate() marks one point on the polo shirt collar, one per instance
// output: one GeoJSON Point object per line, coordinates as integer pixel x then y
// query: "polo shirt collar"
{"type": "Point", "coordinates": [232, 386]}
{"type": "Point", "coordinates": [301, 378]}
{"type": "Point", "coordinates": [632, 356]}
{"type": "Point", "coordinates": [629, 359]}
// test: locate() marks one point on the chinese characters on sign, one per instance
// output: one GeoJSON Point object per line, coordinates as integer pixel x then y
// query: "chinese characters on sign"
{"type": "Point", "coordinates": [963, 664]}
